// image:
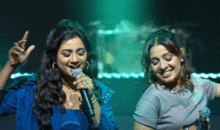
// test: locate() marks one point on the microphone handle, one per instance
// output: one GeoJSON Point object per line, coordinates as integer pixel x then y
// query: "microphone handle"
{"type": "Point", "coordinates": [203, 123]}
{"type": "Point", "coordinates": [86, 101]}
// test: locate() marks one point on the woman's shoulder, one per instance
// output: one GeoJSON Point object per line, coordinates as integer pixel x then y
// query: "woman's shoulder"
{"type": "Point", "coordinates": [152, 94]}
{"type": "Point", "coordinates": [149, 100]}
{"type": "Point", "coordinates": [26, 86]}
{"type": "Point", "coordinates": [106, 92]}
{"type": "Point", "coordinates": [201, 82]}
{"type": "Point", "coordinates": [153, 89]}
{"type": "Point", "coordinates": [20, 93]}
{"type": "Point", "coordinates": [206, 86]}
{"type": "Point", "coordinates": [103, 87]}
{"type": "Point", "coordinates": [196, 80]}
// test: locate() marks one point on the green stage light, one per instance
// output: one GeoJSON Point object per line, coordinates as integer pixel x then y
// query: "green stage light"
{"type": "Point", "coordinates": [124, 75]}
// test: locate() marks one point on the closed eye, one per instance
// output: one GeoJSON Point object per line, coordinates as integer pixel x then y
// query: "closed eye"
{"type": "Point", "coordinates": [66, 54]}
{"type": "Point", "coordinates": [154, 62]}
{"type": "Point", "coordinates": [81, 53]}
{"type": "Point", "coordinates": [168, 59]}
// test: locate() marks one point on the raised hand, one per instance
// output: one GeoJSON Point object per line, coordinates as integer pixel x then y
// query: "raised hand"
{"type": "Point", "coordinates": [17, 54]}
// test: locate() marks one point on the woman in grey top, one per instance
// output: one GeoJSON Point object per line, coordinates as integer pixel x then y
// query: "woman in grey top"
{"type": "Point", "coordinates": [174, 97]}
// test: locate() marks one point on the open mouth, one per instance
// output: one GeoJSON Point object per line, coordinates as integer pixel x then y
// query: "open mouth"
{"type": "Point", "coordinates": [166, 73]}
{"type": "Point", "coordinates": [74, 67]}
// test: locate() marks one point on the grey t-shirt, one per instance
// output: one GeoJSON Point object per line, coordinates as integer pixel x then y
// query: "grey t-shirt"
{"type": "Point", "coordinates": [162, 110]}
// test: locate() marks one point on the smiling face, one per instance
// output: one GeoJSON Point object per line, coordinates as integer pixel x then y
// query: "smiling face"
{"type": "Point", "coordinates": [71, 54]}
{"type": "Point", "coordinates": [165, 65]}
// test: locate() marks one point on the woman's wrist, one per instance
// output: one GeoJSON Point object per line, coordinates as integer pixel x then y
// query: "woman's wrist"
{"type": "Point", "coordinates": [9, 67]}
{"type": "Point", "coordinates": [94, 99]}
{"type": "Point", "coordinates": [96, 118]}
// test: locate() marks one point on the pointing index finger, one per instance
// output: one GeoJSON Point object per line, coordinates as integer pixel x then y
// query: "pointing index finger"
{"type": "Point", "coordinates": [25, 35]}
{"type": "Point", "coordinates": [24, 40]}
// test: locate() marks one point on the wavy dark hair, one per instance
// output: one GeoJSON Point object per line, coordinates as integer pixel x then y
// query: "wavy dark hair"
{"type": "Point", "coordinates": [49, 88]}
{"type": "Point", "coordinates": [171, 43]}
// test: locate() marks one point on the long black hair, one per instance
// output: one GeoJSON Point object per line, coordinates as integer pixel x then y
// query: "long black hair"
{"type": "Point", "coordinates": [171, 43]}
{"type": "Point", "coordinates": [49, 88]}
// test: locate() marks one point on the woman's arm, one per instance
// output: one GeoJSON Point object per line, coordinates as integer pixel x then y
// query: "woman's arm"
{"type": "Point", "coordinates": [107, 119]}
{"type": "Point", "coordinates": [218, 91]}
{"type": "Point", "coordinates": [16, 56]}
{"type": "Point", "coordinates": [96, 118]}
{"type": "Point", "coordinates": [5, 74]}
{"type": "Point", "coordinates": [104, 118]}
{"type": "Point", "coordinates": [138, 126]}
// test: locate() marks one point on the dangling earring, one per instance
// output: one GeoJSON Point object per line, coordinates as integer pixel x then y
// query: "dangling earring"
{"type": "Point", "coordinates": [182, 62]}
{"type": "Point", "coordinates": [53, 66]}
{"type": "Point", "coordinates": [87, 65]}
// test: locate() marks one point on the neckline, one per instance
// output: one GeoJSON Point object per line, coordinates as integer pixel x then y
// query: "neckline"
{"type": "Point", "coordinates": [177, 91]}
{"type": "Point", "coordinates": [73, 109]}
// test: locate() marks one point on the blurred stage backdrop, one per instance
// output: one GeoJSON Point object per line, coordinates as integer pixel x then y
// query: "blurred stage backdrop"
{"type": "Point", "coordinates": [117, 31]}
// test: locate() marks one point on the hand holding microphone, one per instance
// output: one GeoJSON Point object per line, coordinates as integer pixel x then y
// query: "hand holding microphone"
{"type": "Point", "coordinates": [84, 84]}
{"type": "Point", "coordinates": [204, 114]}
{"type": "Point", "coordinates": [202, 123]}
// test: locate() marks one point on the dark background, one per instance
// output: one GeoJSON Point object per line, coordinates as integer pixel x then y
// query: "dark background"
{"type": "Point", "coordinates": [200, 19]}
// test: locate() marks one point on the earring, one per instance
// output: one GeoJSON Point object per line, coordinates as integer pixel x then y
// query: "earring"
{"type": "Point", "coordinates": [53, 66]}
{"type": "Point", "coordinates": [182, 60]}
{"type": "Point", "coordinates": [87, 65]}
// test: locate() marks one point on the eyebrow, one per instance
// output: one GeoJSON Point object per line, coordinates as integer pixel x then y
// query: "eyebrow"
{"type": "Point", "coordinates": [79, 49]}
{"type": "Point", "coordinates": [155, 58]}
{"type": "Point", "coordinates": [82, 48]}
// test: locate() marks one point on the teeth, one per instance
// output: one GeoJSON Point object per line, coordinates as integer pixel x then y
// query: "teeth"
{"type": "Point", "coordinates": [166, 73]}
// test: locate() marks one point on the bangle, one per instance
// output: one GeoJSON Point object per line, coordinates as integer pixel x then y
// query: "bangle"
{"type": "Point", "coordinates": [94, 99]}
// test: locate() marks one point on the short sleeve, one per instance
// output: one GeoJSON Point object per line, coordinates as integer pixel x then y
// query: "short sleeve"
{"type": "Point", "coordinates": [147, 110]}
{"type": "Point", "coordinates": [210, 88]}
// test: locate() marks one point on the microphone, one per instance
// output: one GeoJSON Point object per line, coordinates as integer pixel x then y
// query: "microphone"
{"type": "Point", "coordinates": [86, 102]}
{"type": "Point", "coordinates": [204, 113]}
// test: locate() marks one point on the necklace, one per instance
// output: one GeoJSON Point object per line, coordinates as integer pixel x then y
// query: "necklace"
{"type": "Point", "coordinates": [73, 99]}
{"type": "Point", "coordinates": [176, 91]}
{"type": "Point", "coordinates": [72, 91]}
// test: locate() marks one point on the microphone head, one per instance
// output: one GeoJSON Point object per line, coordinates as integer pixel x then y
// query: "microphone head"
{"type": "Point", "coordinates": [76, 72]}
{"type": "Point", "coordinates": [204, 112]}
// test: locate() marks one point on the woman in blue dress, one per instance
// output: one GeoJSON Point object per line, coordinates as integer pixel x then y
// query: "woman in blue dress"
{"type": "Point", "coordinates": [55, 102]}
